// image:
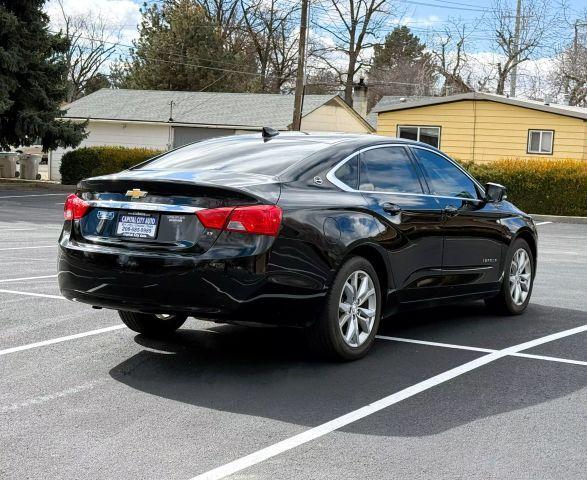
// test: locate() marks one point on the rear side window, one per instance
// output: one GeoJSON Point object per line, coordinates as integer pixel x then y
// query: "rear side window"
{"type": "Point", "coordinates": [444, 178]}
{"type": "Point", "coordinates": [388, 169]}
{"type": "Point", "coordinates": [237, 154]}
{"type": "Point", "coordinates": [349, 172]}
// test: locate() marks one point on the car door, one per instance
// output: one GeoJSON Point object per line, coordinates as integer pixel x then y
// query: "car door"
{"type": "Point", "coordinates": [410, 220]}
{"type": "Point", "coordinates": [474, 237]}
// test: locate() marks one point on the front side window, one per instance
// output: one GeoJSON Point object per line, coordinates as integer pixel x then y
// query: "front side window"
{"type": "Point", "coordinates": [388, 169]}
{"type": "Point", "coordinates": [429, 135]}
{"type": "Point", "coordinates": [444, 178]}
{"type": "Point", "coordinates": [540, 141]}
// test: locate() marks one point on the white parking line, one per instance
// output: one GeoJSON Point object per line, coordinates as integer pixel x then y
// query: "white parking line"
{"type": "Point", "coordinates": [434, 344]}
{"type": "Point", "coordinates": [28, 229]}
{"type": "Point", "coordinates": [550, 359]}
{"type": "Point", "coordinates": [478, 349]}
{"type": "Point", "coordinates": [542, 223]}
{"type": "Point", "coordinates": [51, 396]}
{"type": "Point", "coordinates": [351, 417]}
{"type": "Point", "coordinates": [31, 294]}
{"type": "Point", "coordinates": [28, 248]}
{"type": "Point", "coordinates": [35, 195]}
{"type": "Point", "coordinates": [6, 280]}
{"type": "Point", "coordinates": [44, 343]}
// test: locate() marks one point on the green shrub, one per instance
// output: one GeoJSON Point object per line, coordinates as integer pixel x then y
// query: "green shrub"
{"type": "Point", "coordinates": [92, 161]}
{"type": "Point", "coordinates": [540, 186]}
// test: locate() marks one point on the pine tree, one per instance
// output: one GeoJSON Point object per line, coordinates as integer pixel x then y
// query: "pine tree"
{"type": "Point", "coordinates": [33, 79]}
{"type": "Point", "coordinates": [401, 66]}
{"type": "Point", "coordinates": [180, 48]}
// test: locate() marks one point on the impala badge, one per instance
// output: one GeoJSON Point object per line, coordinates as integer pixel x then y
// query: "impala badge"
{"type": "Point", "coordinates": [136, 193]}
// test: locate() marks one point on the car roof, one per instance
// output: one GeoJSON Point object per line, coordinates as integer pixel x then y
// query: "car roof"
{"type": "Point", "coordinates": [335, 137]}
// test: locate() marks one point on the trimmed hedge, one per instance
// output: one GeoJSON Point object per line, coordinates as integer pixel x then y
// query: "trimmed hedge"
{"type": "Point", "coordinates": [540, 186]}
{"type": "Point", "coordinates": [92, 161]}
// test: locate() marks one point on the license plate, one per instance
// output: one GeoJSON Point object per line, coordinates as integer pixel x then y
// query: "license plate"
{"type": "Point", "coordinates": [137, 225]}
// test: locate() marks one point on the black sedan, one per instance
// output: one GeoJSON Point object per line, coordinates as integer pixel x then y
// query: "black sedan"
{"type": "Point", "coordinates": [327, 232]}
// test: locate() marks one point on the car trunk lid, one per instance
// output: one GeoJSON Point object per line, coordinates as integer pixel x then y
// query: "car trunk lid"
{"type": "Point", "coordinates": [154, 210]}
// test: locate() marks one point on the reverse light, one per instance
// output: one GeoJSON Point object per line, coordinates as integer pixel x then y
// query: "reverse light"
{"type": "Point", "coordinates": [254, 219]}
{"type": "Point", "coordinates": [74, 207]}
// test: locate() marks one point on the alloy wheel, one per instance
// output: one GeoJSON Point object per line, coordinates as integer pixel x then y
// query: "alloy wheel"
{"type": "Point", "coordinates": [357, 308]}
{"type": "Point", "coordinates": [520, 276]}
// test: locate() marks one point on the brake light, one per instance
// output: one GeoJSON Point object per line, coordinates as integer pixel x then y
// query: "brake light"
{"type": "Point", "coordinates": [74, 207]}
{"type": "Point", "coordinates": [254, 219]}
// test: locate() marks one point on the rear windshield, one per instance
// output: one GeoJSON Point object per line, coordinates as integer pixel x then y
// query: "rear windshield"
{"type": "Point", "coordinates": [250, 154]}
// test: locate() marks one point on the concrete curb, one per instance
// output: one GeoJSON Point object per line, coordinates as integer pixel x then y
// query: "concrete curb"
{"type": "Point", "coordinates": [559, 219]}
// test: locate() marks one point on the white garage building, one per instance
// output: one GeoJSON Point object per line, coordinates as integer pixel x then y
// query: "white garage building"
{"type": "Point", "coordinates": [165, 119]}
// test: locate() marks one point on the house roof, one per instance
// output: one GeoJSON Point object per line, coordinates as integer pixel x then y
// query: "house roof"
{"type": "Point", "coordinates": [247, 110]}
{"type": "Point", "coordinates": [566, 110]}
{"type": "Point", "coordinates": [387, 101]}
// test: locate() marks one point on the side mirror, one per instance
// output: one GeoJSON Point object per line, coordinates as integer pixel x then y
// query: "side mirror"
{"type": "Point", "coordinates": [494, 192]}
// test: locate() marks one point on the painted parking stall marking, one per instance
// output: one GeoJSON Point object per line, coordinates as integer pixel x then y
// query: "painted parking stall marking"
{"type": "Point", "coordinates": [34, 195]}
{"type": "Point", "coordinates": [22, 279]}
{"type": "Point", "coordinates": [53, 341]}
{"type": "Point", "coordinates": [28, 248]}
{"type": "Point", "coordinates": [351, 417]}
{"type": "Point", "coordinates": [32, 294]}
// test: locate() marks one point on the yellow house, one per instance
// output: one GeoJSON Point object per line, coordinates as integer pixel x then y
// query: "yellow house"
{"type": "Point", "coordinates": [484, 127]}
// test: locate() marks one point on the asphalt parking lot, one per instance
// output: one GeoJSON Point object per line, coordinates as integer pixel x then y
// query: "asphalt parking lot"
{"type": "Point", "coordinates": [445, 393]}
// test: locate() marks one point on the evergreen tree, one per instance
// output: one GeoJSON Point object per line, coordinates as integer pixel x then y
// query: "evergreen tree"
{"type": "Point", "coordinates": [401, 66]}
{"type": "Point", "coordinates": [33, 79]}
{"type": "Point", "coordinates": [180, 48]}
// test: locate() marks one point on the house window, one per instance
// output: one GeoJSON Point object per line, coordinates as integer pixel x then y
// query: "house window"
{"type": "Point", "coordinates": [429, 135]}
{"type": "Point", "coordinates": [540, 141]}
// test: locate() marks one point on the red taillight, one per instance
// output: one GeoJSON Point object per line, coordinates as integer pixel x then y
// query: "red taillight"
{"type": "Point", "coordinates": [74, 208]}
{"type": "Point", "coordinates": [255, 219]}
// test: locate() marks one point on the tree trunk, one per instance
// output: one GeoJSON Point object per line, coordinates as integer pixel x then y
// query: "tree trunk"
{"type": "Point", "coordinates": [348, 87]}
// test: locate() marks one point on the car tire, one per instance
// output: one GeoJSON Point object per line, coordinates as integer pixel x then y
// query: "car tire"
{"type": "Point", "coordinates": [516, 288]}
{"type": "Point", "coordinates": [332, 336]}
{"type": "Point", "coordinates": [152, 325]}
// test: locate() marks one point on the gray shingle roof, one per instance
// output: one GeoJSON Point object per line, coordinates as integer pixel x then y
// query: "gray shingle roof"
{"type": "Point", "coordinates": [576, 112]}
{"type": "Point", "coordinates": [205, 108]}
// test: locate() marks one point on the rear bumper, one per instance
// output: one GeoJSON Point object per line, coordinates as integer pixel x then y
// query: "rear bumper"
{"type": "Point", "coordinates": [238, 289]}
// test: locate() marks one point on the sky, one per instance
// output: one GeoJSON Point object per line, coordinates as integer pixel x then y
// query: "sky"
{"type": "Point", "coordinates": [425, 17]}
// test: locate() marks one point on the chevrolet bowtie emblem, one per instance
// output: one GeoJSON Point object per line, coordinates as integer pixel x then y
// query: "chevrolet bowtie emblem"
{"type": "Point", "coordinates": [136, 193]}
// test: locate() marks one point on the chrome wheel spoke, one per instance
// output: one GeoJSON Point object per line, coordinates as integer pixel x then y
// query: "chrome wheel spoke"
{"type": "Point", "coordinates": [349, 291]}
{"type": "Point", "coordinates": [363, 324]}
{"type": "Point", "coordinates": [363, 298]}
{"type": "Point", "coordinates": [367, 312]}
{"type": "Point", "coordinates": [351, 332]}
{"type": "Point", "coordinates": [344, 307]}
{"type": "Point", "coordinates": [342, 321]}
{"type": "Point", "coordinates": [363, 287]}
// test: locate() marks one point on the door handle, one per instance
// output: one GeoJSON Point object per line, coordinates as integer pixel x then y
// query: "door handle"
{"type": "Point", "coordinates": [391, 208]}
{"type": "Point", "coordinates": [450, 210]}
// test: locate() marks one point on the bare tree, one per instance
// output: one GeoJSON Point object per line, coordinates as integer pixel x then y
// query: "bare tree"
{"type": "Point", "coordinates": [539, 26]}
{"type": "Point", "coordinates": [570, 74]}
{"type": "Point", "coordinates": [353, 26]}
{"type": "Point", "coordinates": [271, 28]}
{"type": "Point", "coordinates": [451, 58]}
{"type": "Point", "coordinates": [226, 15]}
{"type": "Point", "coordinates": [92, 45]}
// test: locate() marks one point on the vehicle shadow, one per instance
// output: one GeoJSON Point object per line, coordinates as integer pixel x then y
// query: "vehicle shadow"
{"type": "Point", "coordinates": [267, 372]}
